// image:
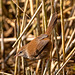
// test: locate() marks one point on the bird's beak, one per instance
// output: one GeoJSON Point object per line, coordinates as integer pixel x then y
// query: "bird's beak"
{"type": "Point", "coordinates": [16, 55]}
{"type": "Point", "coordinates": [19, 54]}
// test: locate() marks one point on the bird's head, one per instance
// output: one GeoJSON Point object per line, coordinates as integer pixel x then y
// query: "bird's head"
{"type": "Point", "coordinates": [20, 53]}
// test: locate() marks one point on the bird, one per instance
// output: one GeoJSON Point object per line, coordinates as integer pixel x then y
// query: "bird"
{"type": "Point", "coordinates": [40, 46]}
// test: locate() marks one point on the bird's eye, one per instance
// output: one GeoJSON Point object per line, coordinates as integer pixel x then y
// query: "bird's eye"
{"type": "Point", "coordinates": [20, 52]}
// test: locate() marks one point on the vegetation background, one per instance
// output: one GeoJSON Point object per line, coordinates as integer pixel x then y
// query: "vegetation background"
{"type": "Point", "coordinates": [26, 19]}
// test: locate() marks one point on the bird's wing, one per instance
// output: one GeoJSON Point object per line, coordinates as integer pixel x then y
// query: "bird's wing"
{"type": "Point", "coordinates": [42, 36]}
{"type": "Point", "coordinates": [40, 46]}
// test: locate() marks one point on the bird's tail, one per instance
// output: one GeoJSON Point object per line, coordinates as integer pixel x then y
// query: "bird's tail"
{"type": "Point", "coordinates": [52, 23]}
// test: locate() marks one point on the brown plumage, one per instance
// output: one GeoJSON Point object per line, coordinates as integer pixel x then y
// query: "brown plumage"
{"type": "Point", "coordinates": [39, 47]}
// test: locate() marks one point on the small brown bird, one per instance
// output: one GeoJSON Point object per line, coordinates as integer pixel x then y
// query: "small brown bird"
{"type": "Point", "coordinates": [39, 47]}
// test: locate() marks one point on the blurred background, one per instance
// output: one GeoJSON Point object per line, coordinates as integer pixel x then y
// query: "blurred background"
{"type": "Point", "coordinates": [16, 15]}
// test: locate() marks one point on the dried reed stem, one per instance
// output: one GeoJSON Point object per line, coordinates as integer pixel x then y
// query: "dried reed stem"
{"type": "Point", "coordinates": [70, 55]}
{"type": "Point", "coordinates": [52, 11]}
{"type": "Point", "coordinates": [17, 61]}
{"type": "Point", "coordinates": [27, 25]}
{"type": "Point", "coordinates": [62, 27]}
{"type": "Point", "coordinates": [56, 41]}
{"type": "Point", "coordinates": [2, 37]}
{"type": "Point", "coordinates": [19, 7]}
{"type": "Point", "coordinates": [44, 15]}
{"type": "Point", "coordinates": [38, 32]}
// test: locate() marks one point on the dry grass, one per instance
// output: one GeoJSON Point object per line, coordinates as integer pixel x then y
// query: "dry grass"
{"type": "Point", "coordinates": [23, 20]}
